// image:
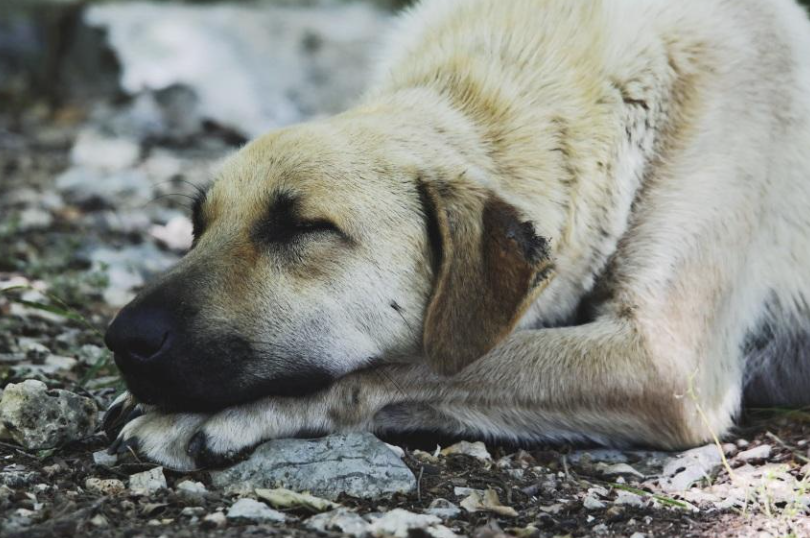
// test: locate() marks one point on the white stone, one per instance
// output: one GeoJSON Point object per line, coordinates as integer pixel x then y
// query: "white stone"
{"type": "Point", "coordinates": [399, 523]}
{"type": "Point", "coordinates": [762, 452]}
{"type": "Point", "coordinates": [191, 490]}
{"type": "Point", "coordinates": [254, 510]}
{"type": "Point", "coordinates": [340, 520]}
{"type": "Point", "coordinates": [147, 482]}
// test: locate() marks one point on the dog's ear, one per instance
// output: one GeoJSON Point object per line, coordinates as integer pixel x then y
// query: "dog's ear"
{"type": "Point", "coordinates": [489, 264]}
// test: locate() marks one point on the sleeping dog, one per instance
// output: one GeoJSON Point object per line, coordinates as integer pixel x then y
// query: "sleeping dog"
{"type": "Point", "coordinates": [546, 220]}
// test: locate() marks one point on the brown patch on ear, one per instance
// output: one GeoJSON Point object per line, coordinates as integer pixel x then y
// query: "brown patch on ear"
{"type": "Point", "coordinates": [491, 265]}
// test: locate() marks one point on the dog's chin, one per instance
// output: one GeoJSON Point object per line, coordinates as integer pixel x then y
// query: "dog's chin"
{"type": "Point", "coordinates": [206, 396]}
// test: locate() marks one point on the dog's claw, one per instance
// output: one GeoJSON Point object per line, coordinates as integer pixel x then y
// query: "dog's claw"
{"type": "Point", "coordinates": [130, 445]}
{"type": "Point", "coordinates": [121, 411]}
{"type": "Point", "coordinates": [113, 448]}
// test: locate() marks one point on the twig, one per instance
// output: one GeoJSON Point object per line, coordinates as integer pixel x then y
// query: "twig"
{"type": "Point", "coordinates": [419, 483]}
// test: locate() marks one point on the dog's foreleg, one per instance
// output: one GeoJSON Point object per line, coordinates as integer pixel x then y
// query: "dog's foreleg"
{"type": "Point", "coordinates": [596, 381]}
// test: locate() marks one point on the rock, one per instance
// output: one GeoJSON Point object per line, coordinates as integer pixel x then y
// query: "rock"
{"type": "Point", "coordinates": [147, 482]}
{"type": "Point", "coordinates": [90, 188]}
{"type": "Point", "coordinates": [443, 508]}
{"type": "Point", "coordinates": [638, 535]}
{"type": "Point", "coordinates": [253, 510]}
{"type": "Point", "coordinates": [357, 464]}
{"type": "Point", "coordinates": [217, 520]}
{"type": "Point", "coordinates": [341, 520]}
{"type": "Point", "coordinates": [38, 418]}
{"type": "Point", "coordinates": [281, 64]}
{"type": "Point", "coordinates": [477, 450]}
{"type": "Point", "coordinates": [110, 486]}
{"type": "Point", "coordinates": [191, 490]}
{"type": "Point", "coordinates": [96, 150]}
{"type": "Point", "coordinates": [402, 523]}
{"type": "Point", "coordinates": [760, 453]}
{"type": "Point", "coordinates": [104, 459]}
{"type": "Point", "coordinates": [687, 468]}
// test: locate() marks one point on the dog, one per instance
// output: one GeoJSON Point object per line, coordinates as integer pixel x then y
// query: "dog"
{"type": "Point", "coordinates": [546, 221]}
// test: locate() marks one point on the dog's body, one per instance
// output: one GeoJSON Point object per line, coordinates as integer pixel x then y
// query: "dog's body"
{"type": "Point", "coordinates": [547, 220]}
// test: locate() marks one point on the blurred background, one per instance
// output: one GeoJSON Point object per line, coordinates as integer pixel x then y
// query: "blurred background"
{"type": "Point", "coordinates": [110, 114]}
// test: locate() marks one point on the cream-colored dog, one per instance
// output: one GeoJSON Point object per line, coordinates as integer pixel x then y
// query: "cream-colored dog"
{"type": "Point", "coordinates": [548, 220]}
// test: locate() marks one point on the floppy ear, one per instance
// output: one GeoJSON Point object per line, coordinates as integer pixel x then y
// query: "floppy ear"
{"type": "Point", "coordinates": [490, 267]}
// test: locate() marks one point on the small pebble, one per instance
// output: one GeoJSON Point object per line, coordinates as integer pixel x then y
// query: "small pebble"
{"type": "Point", "coordinates": [104, 459]}
{"type": "Point", "coordinates": [762, 452]}
{"type": "Point", "coordinates": [147, 482]}
{"type": "Point", "coordinates": [191, 490]}
{"type": "Point", "coordinates": [111, 486]}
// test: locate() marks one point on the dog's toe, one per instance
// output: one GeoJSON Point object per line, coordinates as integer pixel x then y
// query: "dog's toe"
{"type": "Point", "coordinates": [201, 451]}
{"type": "Point", "coordinates": [161, 438]}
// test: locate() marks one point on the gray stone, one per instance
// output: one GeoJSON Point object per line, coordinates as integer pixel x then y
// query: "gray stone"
{"type": "Point", "coordinates": [38, 418]}
{"type": "Point", "coordinates": [682, 471]}
{"type": "Point", "coordinates": [17, 476]}
{"type": "Point", "coordinates": [253, 510]}
{"type": "Point", "coordinates": [357, 464]}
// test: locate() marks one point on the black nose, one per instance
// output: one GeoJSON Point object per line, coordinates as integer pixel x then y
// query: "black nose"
{"type": "Point", "coordinates": [139, 335]}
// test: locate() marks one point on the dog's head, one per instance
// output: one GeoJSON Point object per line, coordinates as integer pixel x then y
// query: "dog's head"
{"type": "Point", "coordinates": [320, 250]}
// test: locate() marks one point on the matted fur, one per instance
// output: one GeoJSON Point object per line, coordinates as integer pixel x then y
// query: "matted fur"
{"type": "Point", "coordinates": [658, 148]}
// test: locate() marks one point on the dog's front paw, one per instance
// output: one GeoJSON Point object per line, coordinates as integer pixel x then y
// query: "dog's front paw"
{"type": "Point", "coordinates": [231, 434]}
{"type": "Point", "coordinates": [189, 441]}
{"type": "Point", "coordinates": [161, 437]}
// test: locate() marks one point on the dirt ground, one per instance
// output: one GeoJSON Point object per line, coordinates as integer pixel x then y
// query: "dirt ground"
{"type": "Point", "coordinates": [44, 493]}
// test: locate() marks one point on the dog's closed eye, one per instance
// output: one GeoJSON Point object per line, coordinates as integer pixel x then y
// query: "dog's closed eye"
{"type": "Point", "coordinates": [282, 224]}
